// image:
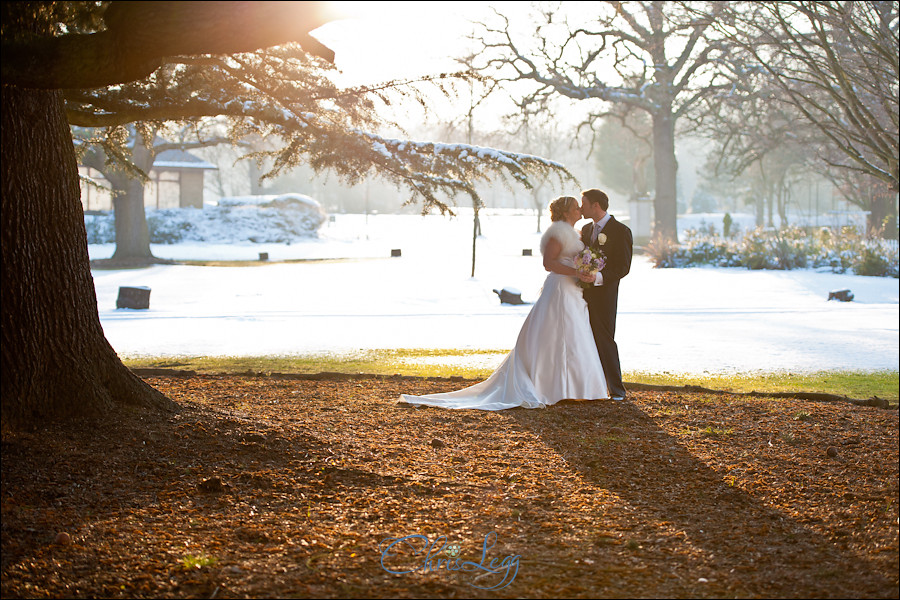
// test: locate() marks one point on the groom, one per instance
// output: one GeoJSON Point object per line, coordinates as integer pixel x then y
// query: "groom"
{"type": "Point", "coordinates": [615, 240]}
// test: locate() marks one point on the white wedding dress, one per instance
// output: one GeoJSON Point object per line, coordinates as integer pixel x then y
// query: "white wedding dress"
{"type": "Point", "coordinates": [555, 357]}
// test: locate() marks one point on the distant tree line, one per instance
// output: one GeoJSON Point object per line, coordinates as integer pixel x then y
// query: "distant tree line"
{"type": "Point", "coordinates": [774, 83]}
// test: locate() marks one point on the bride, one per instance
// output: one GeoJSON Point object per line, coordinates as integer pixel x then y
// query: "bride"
{"type": "Point", "coordinates": [555, 356]}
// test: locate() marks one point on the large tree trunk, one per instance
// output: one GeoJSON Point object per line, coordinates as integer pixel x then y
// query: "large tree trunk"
{"type": "Point", "coordinates": [132, 234]}
{"type": "Point", "coordinates": [882, 219]}
{"type": "Point", "coordinates": [781, 195]}
{"type": "Point", "coordinates": [665, 205]}
{"type": "Point", "coordinates": [56, 361]}
{"type": "Point", "coordinates": [760, 210]}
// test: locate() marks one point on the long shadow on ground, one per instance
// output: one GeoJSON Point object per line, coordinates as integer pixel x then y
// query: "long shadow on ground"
{"type": "Point", "coordinates": [672, 502]}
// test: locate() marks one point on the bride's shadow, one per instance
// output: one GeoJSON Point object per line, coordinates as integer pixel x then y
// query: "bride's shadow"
{"type": "Point", "coordinates": [618, 448]}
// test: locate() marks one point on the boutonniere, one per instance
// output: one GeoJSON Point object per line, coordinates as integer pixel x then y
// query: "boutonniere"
{"type": "Point", "coordinates": [601, 239]}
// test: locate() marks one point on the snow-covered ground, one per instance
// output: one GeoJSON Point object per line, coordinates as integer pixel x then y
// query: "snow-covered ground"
{"type": "Point", "coordinates": [678, 320]}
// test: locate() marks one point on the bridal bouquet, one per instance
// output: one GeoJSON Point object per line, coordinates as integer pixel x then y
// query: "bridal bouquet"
{"type": "Point", "coordinates": [589, 261]}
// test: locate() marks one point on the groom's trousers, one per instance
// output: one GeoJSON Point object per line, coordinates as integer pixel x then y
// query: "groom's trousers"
{"type": "Point", "coordinates": [602, 304]}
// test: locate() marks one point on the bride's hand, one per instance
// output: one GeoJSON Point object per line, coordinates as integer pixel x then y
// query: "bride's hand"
{"type": "Point", "coordinates": [586, 277]}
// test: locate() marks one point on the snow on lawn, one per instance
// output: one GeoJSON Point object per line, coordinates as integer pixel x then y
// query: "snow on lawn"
{"type": "Point", "coordinates": [679, 320]}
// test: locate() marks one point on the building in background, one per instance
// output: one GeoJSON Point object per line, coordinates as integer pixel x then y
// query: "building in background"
{"type": "Point", "coordinates": [176, 181]}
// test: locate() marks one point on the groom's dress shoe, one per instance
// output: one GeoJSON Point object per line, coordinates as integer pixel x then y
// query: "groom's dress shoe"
{"type": "Point", "coordinates": [618, 398]}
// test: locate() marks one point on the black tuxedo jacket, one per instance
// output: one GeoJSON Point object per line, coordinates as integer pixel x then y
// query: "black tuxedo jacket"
{"type": "Point", "coordinates": [618, 250]}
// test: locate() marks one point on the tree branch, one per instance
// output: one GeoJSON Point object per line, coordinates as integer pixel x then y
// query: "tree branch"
{"type": "Point", "coordinates": [140, 34]}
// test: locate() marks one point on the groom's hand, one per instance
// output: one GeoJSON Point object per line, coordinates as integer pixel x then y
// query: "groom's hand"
{"type": "Point", "coordinates": [586, 277]}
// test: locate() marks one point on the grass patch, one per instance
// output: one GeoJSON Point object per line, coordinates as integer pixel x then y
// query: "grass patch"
{"type": "Point", "coordinates": [479, 364]}
{"type": "Point", "coordinates": [612, 439]}
{"type": "Point", "coordinates": [708, 431]}
{"type": "Point", "coordinates": [471, 364]}
{"type": "Point", "coordinates": [855, 384]}
{"type": "Point", "coordinates": [788, 437]}
{"type": "Point", "coordinates": [191, 562]}
{"type": "Point", "coordinates": [262, 263]}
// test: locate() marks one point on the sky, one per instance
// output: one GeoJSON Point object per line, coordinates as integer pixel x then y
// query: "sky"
{"type": "Point", "coordinates": [381, 41]}
{"type": "Point", "coordinates": [384, 40]}
{"type": "Point", "coordinates": [696, 320]}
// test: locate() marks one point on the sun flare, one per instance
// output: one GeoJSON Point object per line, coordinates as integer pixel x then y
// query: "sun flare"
{"type": "Point", "coordinates": [359, 10]}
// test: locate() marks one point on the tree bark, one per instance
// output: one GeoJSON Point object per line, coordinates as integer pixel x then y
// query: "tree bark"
{"type": "Point", "coordinates": [665, 221]}
{"type": "Point", "coordinates": [56, 361]}
{"type": "Point", "coordinates": [881, 219]}
{"type": "Point", "coordinates": [132, 233]}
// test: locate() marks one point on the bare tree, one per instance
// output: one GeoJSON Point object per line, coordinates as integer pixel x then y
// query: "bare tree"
{"type": "Point", "coordinates": [766, 142]}
{"type": "Point", "coordinates": [657, 57]}
{"type": "Point", "coordinates": [871, 195]}
{"type": "Point", "coordinates": [836, 64]}
{"type": "Point", "coordinates": [623, 149]}
{"type": "Point", "coordinates": [819, 85]}
{"type": "Point", "coordinates": [547, 137]}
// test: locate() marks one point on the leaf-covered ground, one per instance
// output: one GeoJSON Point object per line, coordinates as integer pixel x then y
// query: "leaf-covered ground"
{"type": "Point", "coordinates": [289, 487]}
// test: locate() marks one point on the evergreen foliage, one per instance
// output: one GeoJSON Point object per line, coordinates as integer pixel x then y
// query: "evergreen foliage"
{"type": "Point", "coordinates": [283, 93]}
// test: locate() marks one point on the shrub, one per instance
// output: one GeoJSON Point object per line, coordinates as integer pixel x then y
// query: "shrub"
{"type": "Point", "coordinates": [666, 254]}
{"type": "Point", "coordinates": [756, 251]}
{"type": "Point", "coordinates": [869, 262]}
{"type": "Point", "coordinates": [837, 250]}
{"type": "Point", "coordinates": [100, 228]}
{"type": "Point", "coordinates": [166, 227]}
{"type": "Point", "coordinates": [790, 248]}
{"type": "Point", "coordinates": [281, 221]}
{"type": "Point", "coordinates": [877, 258]}
{"type": "Point", "coordinates": [710, 249]}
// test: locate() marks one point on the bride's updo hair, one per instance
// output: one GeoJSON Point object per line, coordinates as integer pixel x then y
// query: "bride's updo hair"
{"type": "Point", "coordinates": [560, 206]}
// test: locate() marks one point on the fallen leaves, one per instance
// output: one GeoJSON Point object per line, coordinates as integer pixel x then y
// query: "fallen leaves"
{"type": "Point", "coordinates": [267, 486]}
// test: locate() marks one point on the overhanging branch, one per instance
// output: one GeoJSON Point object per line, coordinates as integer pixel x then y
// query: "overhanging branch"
{"type": "Point", "coordinates": [140, 34]}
